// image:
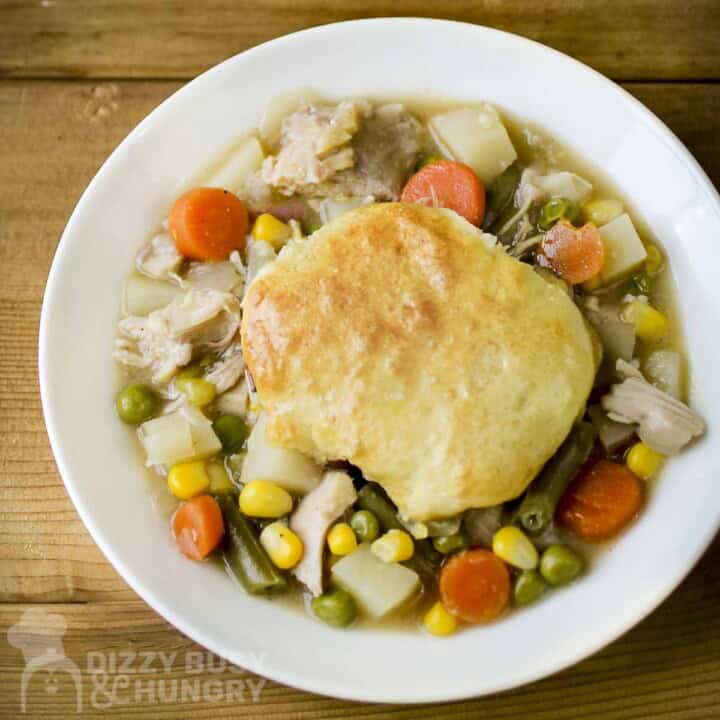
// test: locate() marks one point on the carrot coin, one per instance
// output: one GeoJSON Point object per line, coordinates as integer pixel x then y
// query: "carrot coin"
{"type": "Point", "coordinates": [207, 224]}
{"type": "Point", "coordinates": [198, 527]}
{"type": "Point", "coordinates": [475, 585]}
{"type": "Point", "coordinates": [601, 501]}
{"type": "Point", "coordinates": [448, 184]}
{"type": "Point", "coordinates": [575, 254]}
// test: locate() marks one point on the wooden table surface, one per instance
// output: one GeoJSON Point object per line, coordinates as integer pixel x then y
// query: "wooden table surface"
{"type": "Point", "coordinates": [75, 77]}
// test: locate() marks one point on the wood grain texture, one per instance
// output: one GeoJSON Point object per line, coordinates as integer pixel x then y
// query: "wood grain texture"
{"type": "Point", "coordinates": [635, 39]}
{"type": "Point", "coordinates": [665, 668]}
{"type": "Point", "coordinates": [53, 137]}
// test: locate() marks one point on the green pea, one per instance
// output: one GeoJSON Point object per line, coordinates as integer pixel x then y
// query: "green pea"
{"type": "Point", "coordinates": [136, 403]}
{"type": "Point", "coordinates": [335, 607]}
{"type": "Point", "coordinates": [528, 587]}
{"type": "Point", "coordinates": [554, 210]}
{"type": "Point", "coordinates": [231, 431]}
{"type": "Point", "coordinates": [451, 543]}
{"type": "Point", "coordinates": [560, 565]}
{"type": "Point", "coordinates": [197, 390]}
{"type": "Point", "coordinates": [365, 525]}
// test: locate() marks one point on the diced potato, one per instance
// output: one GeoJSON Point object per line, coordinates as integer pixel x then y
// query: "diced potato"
{"type": "Point", "coordinates": [663, 368]}
{"type": "Point", "coordinates": [333, 208]}
{"type": "Point", "coordinates": [378, 587]}
{"type": "Point", "coordinates": [624, 251]}
{"type": "Point", "coordinates": [259, 254]}
{"type": "Point", "coordinates": [279, 108]}
{"type": "Point", "coordinates": [565, 185]}
{"type": "Point", "coordinates": [289, 469]}
{"type": "Point", "coordinates": [167, 440]}
{"type": "Point", "coordinates": [476, 137]}
{"type": "Point", "coordinates": [245, 158]}
{"type": "Point", "coordinates": [205, 441]}
{"type": "Point", "coordinates": [142, 294]}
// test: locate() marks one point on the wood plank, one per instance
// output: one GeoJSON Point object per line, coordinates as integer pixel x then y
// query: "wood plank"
{"type": "Point", "coordinates": [635, 39]}
{"type": "Point", "coordinates": [667, 667]}
{"type": "Point", "coordinates": [53, 137]}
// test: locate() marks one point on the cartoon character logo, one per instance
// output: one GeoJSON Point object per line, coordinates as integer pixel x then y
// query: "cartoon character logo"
{"type": "Point", "coordinates": [38, 635]}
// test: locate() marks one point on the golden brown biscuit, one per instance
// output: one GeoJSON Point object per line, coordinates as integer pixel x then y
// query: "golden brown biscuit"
{"type": "Point", "coordinates": [395, 338]}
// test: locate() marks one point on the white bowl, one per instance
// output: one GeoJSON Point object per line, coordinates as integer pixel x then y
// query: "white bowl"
{"type": "Point", "coordinates": [129, 196]}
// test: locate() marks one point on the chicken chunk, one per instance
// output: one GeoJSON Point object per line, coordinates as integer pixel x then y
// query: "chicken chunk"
{"type": "Point", "coordinates": [664, 423]}
{"type": "Point", "coordinates": [386, 150]}
{"type": "Point", "coordinates": [344, 151]}
{"type": "Point", "coordinates": [225, 373]}
{"type": "Point", "coordinates": [315, 514]}
{"type": "Point", "coordinates": [165, 340]}
{"type": "Point", "coordinates": [315, 144]}
{"type": "Point", "coordinates": [159, 259]}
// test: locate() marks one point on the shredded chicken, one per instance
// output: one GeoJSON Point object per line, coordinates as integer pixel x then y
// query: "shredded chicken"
{"type": "Point", "coordinates": [234, 401]}
{"type": "Point", "coordinates": [664, 423]}
{"type": "Point", "coordinates": [165, 340]}
{"type": "Point", "coordinates": [386, 150]}
{"type": "Point", "coordinates": [315, 514]}
{"type": "Point", "coordinates": [224, 373]}
{"type": "Point", "coordinates": [315, 144]}
{"type": "Point", "coordinates": [159, 258]}
{"type": "Point", "coordinates": [346, 150]}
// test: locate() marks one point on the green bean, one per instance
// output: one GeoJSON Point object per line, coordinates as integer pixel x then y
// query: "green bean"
{"type": "Point", "coordinates": [136, 403]}
{"type": "Point", "coordinates": [500, 194]}
{"type": "Point", "coordinates": [335, 607]}
{"type": "Point", "coordinates": [231, 431]}
{"type": "Point", "coordinates": [365, 525]}
{"type": "Point", "coordinates": [426, 560]}
{"type": "Point", "coordinates": [243, 554]}
{"type": "Point", "coordinates": [529, 586]}
{"type": "Point", "coordinates": [537, 508]}
{"type": "Point", "coordinates": [560, 565]}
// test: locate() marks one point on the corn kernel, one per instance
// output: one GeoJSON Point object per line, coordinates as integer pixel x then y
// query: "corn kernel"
{"type": "Point", "coordinates": [643, 461]}
{"type": "Point", "coordinates": [261, 498]}
{"type": "Point", "coordinates": [512, 545]}
{"type": "Point", "coordinates": [271, 230]}
{"type": "Point", "coordinates": [187, 480]}
{"type": "Point", "coordinates": [341, 539]}
{"type": "Point", "coordinates": [393, 546]}
{"type": "Point", "coordinates": [438, 621]}
{"type": "Point", "coordinates": [283, 546]}
{"type": "Point", "coordinates": [650, 324]}
{"type": "Point", "coordinates": [601, 212]}
{"type": "Point", "coordinates": [654, 260]}
{"type": "Point", "coordinates": [220, 483]}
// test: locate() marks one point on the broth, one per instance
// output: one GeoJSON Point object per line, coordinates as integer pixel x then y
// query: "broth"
{"type": "Point", "coordinates": [533, 145]}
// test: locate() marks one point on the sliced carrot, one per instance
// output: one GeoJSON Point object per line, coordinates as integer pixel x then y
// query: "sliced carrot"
{"type": "Point", "coordinates": [198, 527]}
{"type": "Point", "coordinates": [208, 224]}
{"type": "Point", "coordinates": [475, 585]}
{"type": "Point", "coordinates": [575, 254]}
{"type": "Point", "coordinates": [601, 501]}
{"type": "Point", "coordinates": [448, 184]}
